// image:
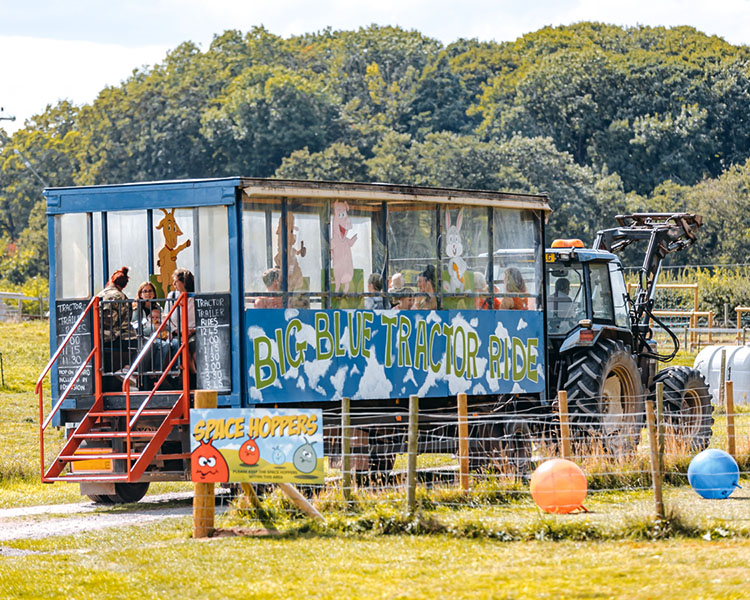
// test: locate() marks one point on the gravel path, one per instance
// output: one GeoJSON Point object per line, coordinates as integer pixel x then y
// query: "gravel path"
{"type": "Point", "coordinates": [67, 519]}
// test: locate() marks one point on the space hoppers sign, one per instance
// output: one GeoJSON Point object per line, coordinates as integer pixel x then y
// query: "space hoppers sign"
{"type": "Point", "coordinates": [313, 355]}
{"type": "Point", "coordinates": [256, 445]}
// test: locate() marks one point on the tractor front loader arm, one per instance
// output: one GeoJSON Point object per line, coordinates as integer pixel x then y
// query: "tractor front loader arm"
{"type": "Point", "coordinates": [665, 233]}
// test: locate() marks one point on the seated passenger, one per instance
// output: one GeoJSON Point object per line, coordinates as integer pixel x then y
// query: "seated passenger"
{"type": "Point", "coordinates": [183, 281]}
{"type": "Point", "coordinates": [514, 284]}
{"type": "Point", "coordinates": [374, 286]}
{"type": "Point", "coordinates": [426, 300]}
{"type": "Point", "coordinates": [481, 287]}
{"type": "Point", "coordinates": [145, 295]}
{"type": "Point", "coordinates": [118, 337]}
{"type": "Point", "coordinates": [560, 303]}
{"type": "Point", "coordinates": [396, 282]}
{"type": "Point", "coordinates": [272, 281]}
{"type": "Point", "coordinates": [403, 298]}
{"type": "Point", "coordinates": [154, 362]}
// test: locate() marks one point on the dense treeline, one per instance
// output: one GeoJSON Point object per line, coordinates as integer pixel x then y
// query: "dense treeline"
{"type": "Point", "coordinates": [603, 119]}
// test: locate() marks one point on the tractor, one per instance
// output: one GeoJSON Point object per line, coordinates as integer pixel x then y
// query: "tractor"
{"type": "Point", "coordinates": [600, 342]}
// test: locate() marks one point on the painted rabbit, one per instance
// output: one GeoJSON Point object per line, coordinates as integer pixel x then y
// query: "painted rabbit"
{"type": "Point", "coordinates": [453, 250]}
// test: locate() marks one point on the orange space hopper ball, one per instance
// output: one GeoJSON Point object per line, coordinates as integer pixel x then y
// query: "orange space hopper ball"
{"type": "Point", "coordinates": [559, 486]}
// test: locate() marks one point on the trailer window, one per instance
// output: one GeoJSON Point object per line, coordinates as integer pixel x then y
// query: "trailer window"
{"type": "Point", "coordinates": [518, 256]}
{"type": "Point", "coordinates": [356, 250]}
{"type": "Point", "coordinates": [259, 221]}
{"type": "Point", "coordinates": [184, 256]}
{"type": "Point", "coordinates": [127, 245]}
{"type": "Point", "coordinates": [413, 244]}
{"type": "Point", "coordinates": [72, 265]}
{"type": "Point", "coordinates": [212, 246]}
{"type": "Point", "coordinates": [464, 257]}
{"type": "Point", "coordinates": [305, 221]}
{"type": "Point", "coordinates": [100, 277]}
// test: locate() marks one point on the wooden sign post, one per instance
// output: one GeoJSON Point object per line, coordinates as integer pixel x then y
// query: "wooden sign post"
{"type": "Point", "coordinates": [203, 494]}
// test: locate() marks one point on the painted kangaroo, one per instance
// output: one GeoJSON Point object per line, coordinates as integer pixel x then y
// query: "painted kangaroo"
{"type": "Point", "coordinates": [167, 261]}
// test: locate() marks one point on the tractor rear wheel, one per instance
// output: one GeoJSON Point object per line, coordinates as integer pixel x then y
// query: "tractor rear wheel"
{"type": "Point", "coordinates": [605, 396]}
{"type": "Point", "coordinates": [687, 405]}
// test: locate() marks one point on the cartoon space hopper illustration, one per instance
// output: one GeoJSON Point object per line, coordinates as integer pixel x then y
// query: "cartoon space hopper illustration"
{"type": "Point", "coordinates": [295, 280]}
{"type": "Point", "coordinates": [167, 261]}
{"type": "Point", "coordinates": [453, 250]}
{"type": "Point", "coordinates": [341, 247]}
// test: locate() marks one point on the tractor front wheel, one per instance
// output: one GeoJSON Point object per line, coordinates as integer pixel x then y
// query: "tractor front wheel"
{"type": "Point", "coordinates": [605, 396]}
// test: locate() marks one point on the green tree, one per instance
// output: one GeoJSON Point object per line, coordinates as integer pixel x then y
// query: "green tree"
{"type": "Point", "coordinates": [338, 162]}
{"type": "Point", "coordinates": [265, 114]}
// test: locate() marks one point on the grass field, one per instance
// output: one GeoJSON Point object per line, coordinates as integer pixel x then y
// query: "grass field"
{"type": "Point", "coordinates": [162, 562]}
{"type": "Point", "coordinates": [482, 548]}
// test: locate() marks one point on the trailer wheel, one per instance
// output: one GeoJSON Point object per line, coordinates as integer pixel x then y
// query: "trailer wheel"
{"type": "Point", "coordinates": [605, 396]}
{"type": "Point", "coordinates": [687, 405]}
{"type": "Point", "coordinates": [502, 445]}
{"type": "Point", "coordinates": [128, 492]}
{"type": "Point", "coordinates": [99, 499]}
{"type": "Point", "coordinates": [124, 494]}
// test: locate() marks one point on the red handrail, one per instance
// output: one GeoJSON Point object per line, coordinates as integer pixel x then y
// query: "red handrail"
{"type": "Point", "coordinates": [182, 350]}
{"type": "Point", "coordinates": [93, 305]}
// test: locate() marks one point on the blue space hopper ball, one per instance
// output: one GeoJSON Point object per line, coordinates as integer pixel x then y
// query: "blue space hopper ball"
{"type": "Point", "coordinates": [714, 474]}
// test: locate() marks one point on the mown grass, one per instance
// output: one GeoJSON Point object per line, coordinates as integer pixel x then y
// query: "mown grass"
{"type": "Point", "coordinates": [493, 542]}
{"type": "Point", "coordinates": [161, 561]}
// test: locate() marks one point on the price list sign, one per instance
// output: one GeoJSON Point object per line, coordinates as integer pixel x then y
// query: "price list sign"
{"type": "Point", "coordinates": [77, 349]}
{"type": "Point", "coordinates": [213, 353]}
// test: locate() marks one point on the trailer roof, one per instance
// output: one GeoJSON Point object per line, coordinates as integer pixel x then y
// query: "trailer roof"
{"type": "Point", "coordinates": [388, 192]}
{"type": "Point", "coordinates": [209, 191]}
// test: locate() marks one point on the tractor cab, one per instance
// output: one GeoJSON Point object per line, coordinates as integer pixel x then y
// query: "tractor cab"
{"type": "Point", "coordinates": [586, 294]}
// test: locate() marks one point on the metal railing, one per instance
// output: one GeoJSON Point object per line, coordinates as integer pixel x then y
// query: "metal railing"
{"type": "Point", "coordinates": [93, 307]}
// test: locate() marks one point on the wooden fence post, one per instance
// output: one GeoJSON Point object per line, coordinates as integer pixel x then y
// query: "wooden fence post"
{"type": "Point", "coordinates": [562, 400]}
{"type": "Point", "coordinates": [723, 379]}
{"type": "Point", "coordinates": [346, 449]}
{"type": "Point", "coordinates": [660, 426]}
{"type": "Point", "coordinates": [655, 474]}
{"type": "Point", "coordinates": [411, 462]}
{"type": "Point", "coordinates": [730, 419]}
{"type": "Point", "coordinates": [203, 495]}
{"type": "Point", "coordinates": [463, 442]}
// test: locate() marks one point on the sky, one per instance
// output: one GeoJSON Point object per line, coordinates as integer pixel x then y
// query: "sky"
{"type": "Point", "coordinates": [52, 50]}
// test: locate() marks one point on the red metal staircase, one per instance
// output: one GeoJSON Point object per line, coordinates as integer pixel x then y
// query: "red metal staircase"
{"type": "Point", "coordinates": [129, 439]}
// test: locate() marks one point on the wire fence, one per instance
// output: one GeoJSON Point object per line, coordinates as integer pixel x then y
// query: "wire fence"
{"type": "Point", "coordinates": [484, 460]}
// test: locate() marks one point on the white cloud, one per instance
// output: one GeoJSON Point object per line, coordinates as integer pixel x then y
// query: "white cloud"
{"type": "Point", "coordinates": [36, 72]}
{"type": "Point", "coordinates": [73, 50]}
{"type": "Point", "coordinates": [374, 383]}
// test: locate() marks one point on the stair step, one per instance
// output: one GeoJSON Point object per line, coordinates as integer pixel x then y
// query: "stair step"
{"type": "Point", "coordinates": [148, 412]}
{"type": "Point", "coordinates": [120, 456]}
{"type": "Point", "coordinates": [182, 456]}
{"type": "Point", "coordinates": [103, 455]}
{"type": "Point", "coordinates": [115, 478]}
{"type": "Point", "coordinates": [105, 435]}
